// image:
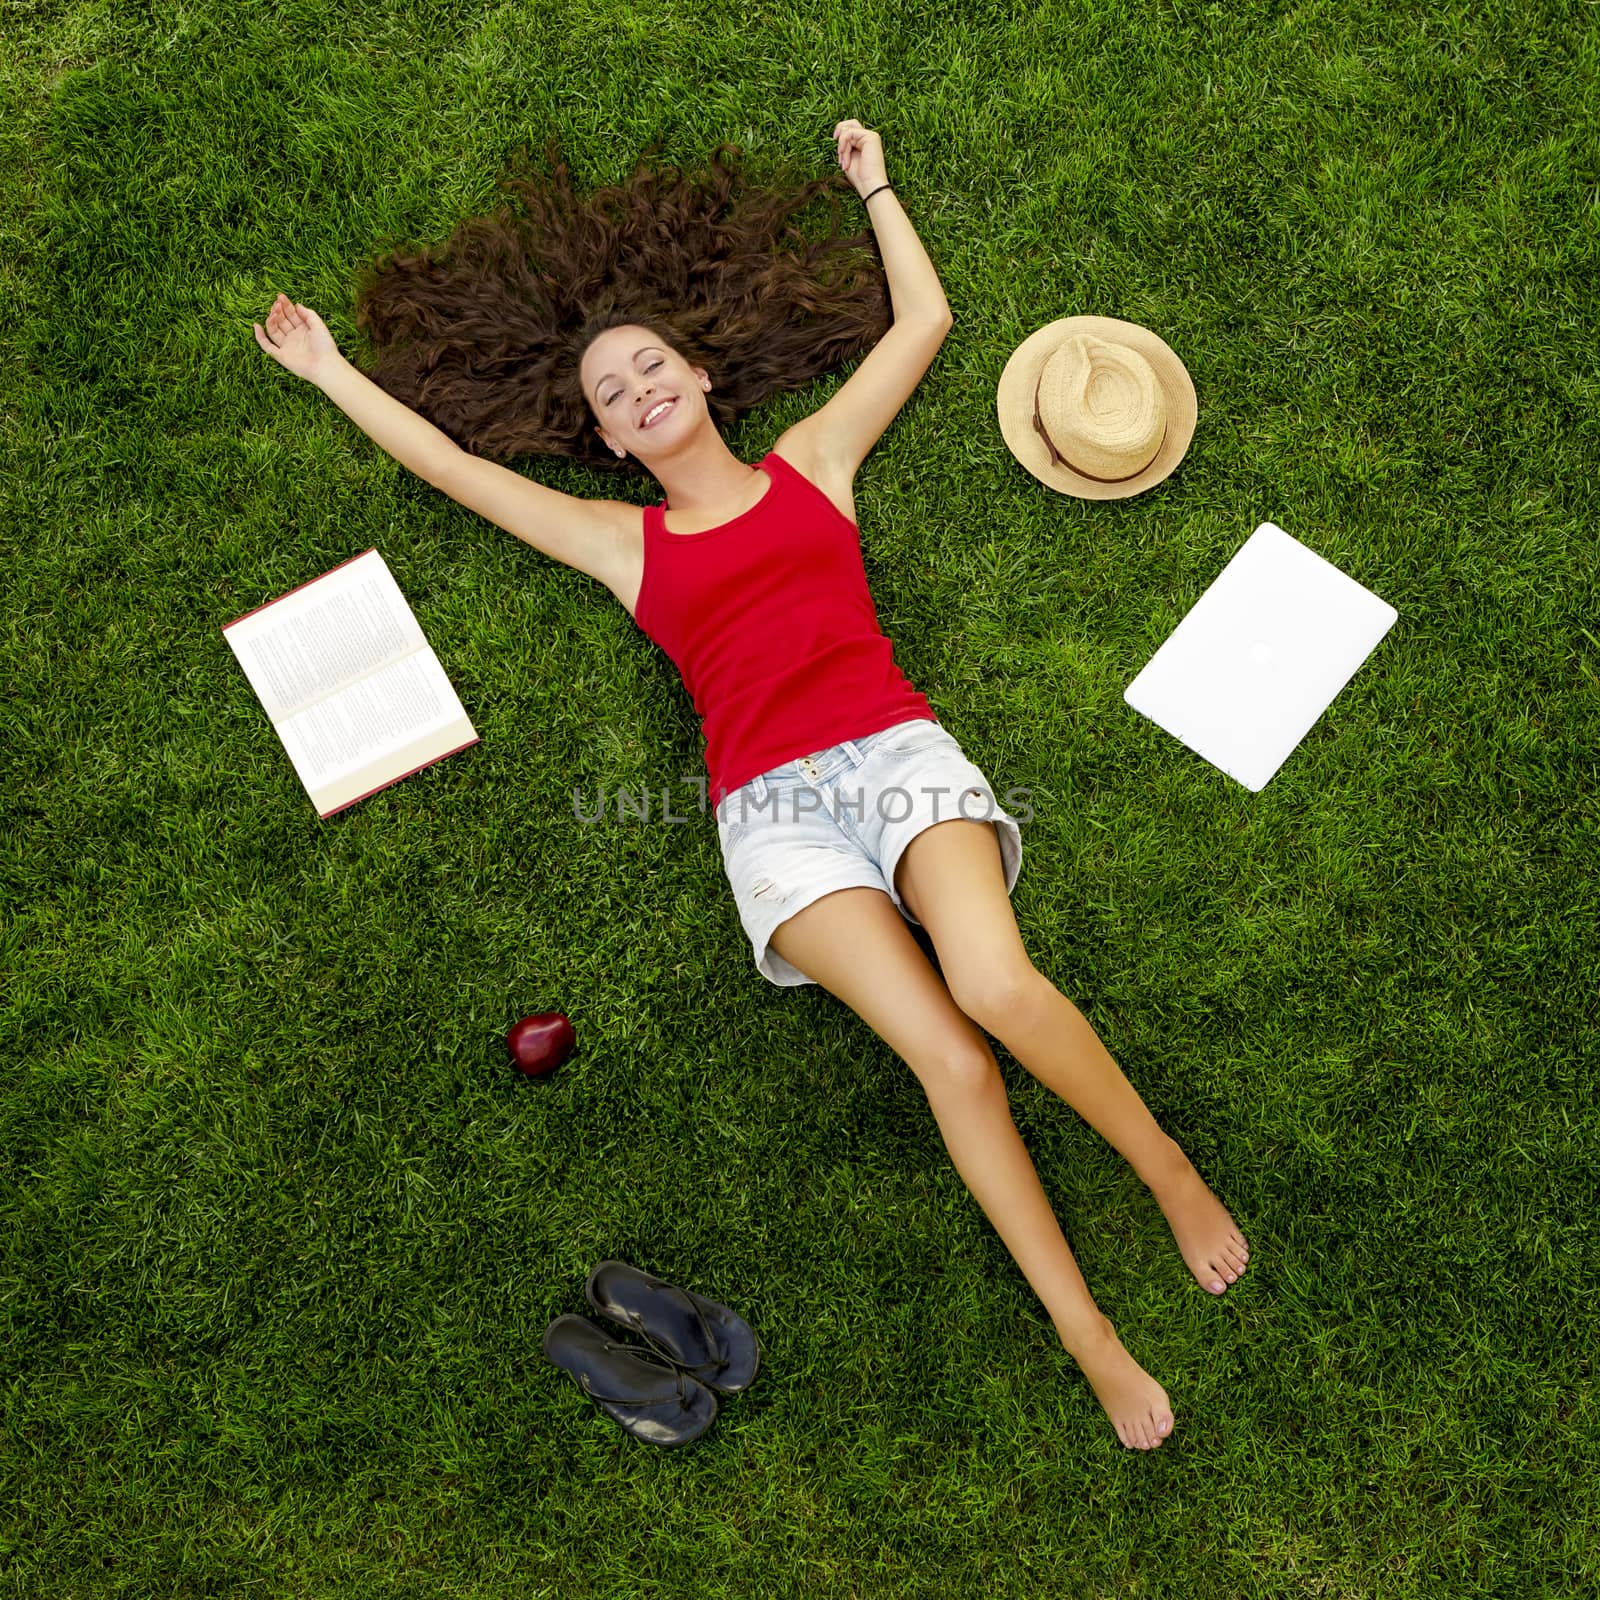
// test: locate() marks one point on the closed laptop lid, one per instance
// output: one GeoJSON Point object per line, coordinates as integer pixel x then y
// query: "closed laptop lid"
{"type": "Point", "coordinates": [1260, 656]}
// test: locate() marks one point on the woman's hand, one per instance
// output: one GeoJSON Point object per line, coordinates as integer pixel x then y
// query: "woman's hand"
{"type": "Point", "coordinates": [861, 156]}
{"type": "Point", "coordinates": [296, 337]}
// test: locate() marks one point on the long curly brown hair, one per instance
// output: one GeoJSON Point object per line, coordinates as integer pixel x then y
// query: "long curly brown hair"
{"type": "Point", "coordinates": [483, 335]}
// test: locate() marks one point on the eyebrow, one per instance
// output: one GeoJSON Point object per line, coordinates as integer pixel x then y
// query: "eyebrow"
{"type": "Point", "coordinates": [610, 375]}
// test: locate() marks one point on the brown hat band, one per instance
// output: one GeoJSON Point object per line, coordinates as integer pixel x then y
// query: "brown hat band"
{"type": "Point", "coordinates": [1061, 461]}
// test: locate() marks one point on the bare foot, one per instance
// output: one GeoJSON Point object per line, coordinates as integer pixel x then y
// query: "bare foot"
{"type": "Point", "coordinates": [1213, 1248]}
{"type": "Point", "coordinates": [1135, 1402]}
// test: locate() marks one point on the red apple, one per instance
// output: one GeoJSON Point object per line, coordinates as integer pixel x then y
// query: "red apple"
{"type": "Point", "coordinates": [540, 1044]}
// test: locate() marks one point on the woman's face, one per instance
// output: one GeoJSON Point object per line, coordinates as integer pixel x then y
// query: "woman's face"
{"type": "Point", "coordinates": [626, 372]}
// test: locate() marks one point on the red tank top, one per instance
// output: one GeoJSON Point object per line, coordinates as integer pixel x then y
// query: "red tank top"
{"type": "Point", "coordinates": [771, 626]}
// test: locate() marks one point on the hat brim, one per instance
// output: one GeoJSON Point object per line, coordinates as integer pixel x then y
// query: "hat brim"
{"type": "Point", "coordinates": [1014, 401]}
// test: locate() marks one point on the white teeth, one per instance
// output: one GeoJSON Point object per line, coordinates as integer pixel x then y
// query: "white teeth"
{"type": "Point", "coordinates": [656, 411]}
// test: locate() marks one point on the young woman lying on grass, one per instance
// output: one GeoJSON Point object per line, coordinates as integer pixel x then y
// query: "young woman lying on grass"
{"type": "Point", "coordinates": [626, 331]}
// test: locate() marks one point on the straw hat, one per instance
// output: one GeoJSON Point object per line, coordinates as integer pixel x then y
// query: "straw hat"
{"type": "Point", "coordinates": [1111, 398]}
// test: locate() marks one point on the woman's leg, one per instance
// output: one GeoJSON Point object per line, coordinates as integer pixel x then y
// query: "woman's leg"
{"type": "Point", "coordinates": [857, 946]}
{"type": "Point", "coordinates": [952, 879]}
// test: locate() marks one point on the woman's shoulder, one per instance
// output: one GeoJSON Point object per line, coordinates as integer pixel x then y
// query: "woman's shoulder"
{"type": "Point", "coordinates": [795, 449]}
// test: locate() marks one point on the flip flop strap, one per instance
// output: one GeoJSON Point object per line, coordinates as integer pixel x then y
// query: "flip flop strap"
{"type": "Point", "coordinates": [634, 1321]}
{"type": "Point", "coordinates": [717, 1362]}
{"type": "Point", "coordinates": [620, 1400]}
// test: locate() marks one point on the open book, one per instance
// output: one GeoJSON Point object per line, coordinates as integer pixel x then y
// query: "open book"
{"type": "Point", "coordinates": [350, 683]}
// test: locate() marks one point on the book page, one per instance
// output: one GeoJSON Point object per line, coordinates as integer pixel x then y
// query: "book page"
{"type": "Point", "coordinates": [371, 719]}
{"type": "Point", "coordinates": [323, 638]}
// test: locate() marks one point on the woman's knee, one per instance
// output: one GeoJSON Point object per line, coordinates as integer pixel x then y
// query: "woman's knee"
{"type": "Point", "coordinates": [996, 996]}
{"type": "Point", "coordinates": [957, 1063]}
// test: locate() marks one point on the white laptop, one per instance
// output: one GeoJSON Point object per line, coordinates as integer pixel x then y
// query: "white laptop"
{"type": "Point", "coordinates": [1260, 656]}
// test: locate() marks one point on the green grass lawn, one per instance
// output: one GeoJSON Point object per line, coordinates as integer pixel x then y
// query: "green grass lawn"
{"type": "Point", "coordinates": [281, 1227]}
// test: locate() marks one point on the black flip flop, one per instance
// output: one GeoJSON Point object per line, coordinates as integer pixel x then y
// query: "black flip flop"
{"type": "Point", "coordinates": [657, 1404]}
{"type": "Point", "coordinates": [710, 1342]}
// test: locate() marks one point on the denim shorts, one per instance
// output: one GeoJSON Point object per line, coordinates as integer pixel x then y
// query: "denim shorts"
{"type": "Point", "coordinates": [840, 819]}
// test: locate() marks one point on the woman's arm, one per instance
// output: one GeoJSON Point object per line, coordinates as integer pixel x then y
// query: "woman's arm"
{"type": "Point", "coordinates": [598, 537]}
{"type": "Point", "coordinates": [411, 439]}
{"type": "Point", "coordinates": [841, 433]}
{"type": "Point", "coordinates": [914, 288]}
{"type": "Point", "coordinates": [298, 340]}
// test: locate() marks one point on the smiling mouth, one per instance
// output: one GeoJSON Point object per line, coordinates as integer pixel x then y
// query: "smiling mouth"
{"type": "Point", "coordinates": [661, 408]}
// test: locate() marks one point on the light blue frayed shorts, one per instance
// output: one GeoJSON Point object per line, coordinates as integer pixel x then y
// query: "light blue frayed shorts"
{"type": "Point", "coordinates": [840, 818]}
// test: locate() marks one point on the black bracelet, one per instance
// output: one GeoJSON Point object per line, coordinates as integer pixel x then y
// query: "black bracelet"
{"type": "Point", "coordinates": [879, 190]}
